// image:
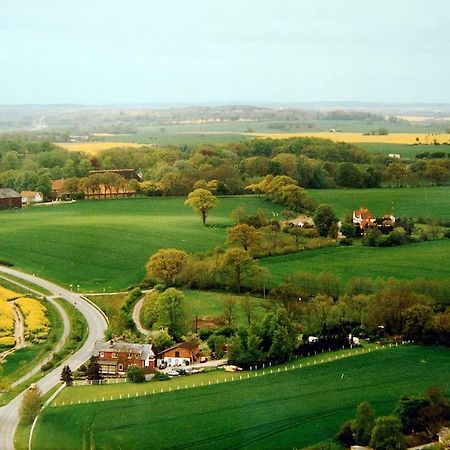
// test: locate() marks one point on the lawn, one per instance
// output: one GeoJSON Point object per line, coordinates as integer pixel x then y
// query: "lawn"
{"type": "Point", "coordinates": [429, 202]}
{"type": "Point", "coordinates": [284, 410]}
{"type": "Point", "coordinates": [424, 260]}
{"type": "Point", "coordinates": [105, 244]}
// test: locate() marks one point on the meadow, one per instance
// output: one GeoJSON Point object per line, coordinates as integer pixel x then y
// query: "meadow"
{"type": "Point", "coordinates": [284, 410]}
{"type": "Point", "coordinates": [104, 245]}
{"type": "Point", "coordinates": [431, 202]}
{"type": "Point", "coordinates": [427, 260]}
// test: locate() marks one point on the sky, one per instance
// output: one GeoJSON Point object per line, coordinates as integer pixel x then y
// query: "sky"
{"type": "Point", "coordinates": [228, 51]}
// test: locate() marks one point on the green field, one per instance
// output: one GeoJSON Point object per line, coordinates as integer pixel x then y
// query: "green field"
{"type": "Point", "coordinates": [105, 244]}
{"type": "Point", "coordinates": [425, 260]}
{"type": "Point", "coordinates": [429, 202]}
{"type": "Point", "coordinates": [405, 151]}
{"type": "Point", "coordinates": [284, 410]}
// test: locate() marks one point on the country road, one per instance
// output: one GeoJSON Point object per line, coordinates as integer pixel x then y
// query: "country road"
{"type": "Point", "coordinates": [9, 414]}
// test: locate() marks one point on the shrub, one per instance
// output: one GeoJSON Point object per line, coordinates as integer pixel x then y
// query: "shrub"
{"type": "Point", "coordinates": [160, 376]}
{"type": "Point", "coordinates": [135, 374]}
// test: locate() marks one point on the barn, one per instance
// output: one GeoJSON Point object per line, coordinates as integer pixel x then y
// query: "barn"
{"type": "Point", "coordinates": [10, 199]}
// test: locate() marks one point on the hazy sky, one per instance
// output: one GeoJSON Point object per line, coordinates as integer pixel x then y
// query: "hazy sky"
{"type": "Point", "coordinates": [148, 51]}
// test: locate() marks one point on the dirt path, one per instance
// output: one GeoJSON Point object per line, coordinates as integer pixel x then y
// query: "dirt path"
{"type": "Point", "coordinates": [19, 327]}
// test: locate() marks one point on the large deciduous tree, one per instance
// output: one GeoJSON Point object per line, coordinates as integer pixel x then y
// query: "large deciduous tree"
{"type": "Point", "coordinates": [166, 264]}
{"type": "Point", "coordinates": [243, 234]}
{"type": "Point", "coordinates": [324, 219]}
{"type": "Point", "coordinates": [364, 423]}
{"type": "Point", "coordinates": [201, 200]}
{"type": "Point", "coordinates": [387, 435]}
{"type": "Point", "coordinates": [235, 263]}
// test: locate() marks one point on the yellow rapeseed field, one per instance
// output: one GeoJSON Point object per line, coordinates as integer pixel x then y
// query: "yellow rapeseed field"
{"type": "Point", "coordinates": [391, 138]}
{"type": "Point", "coordinates": [7, 294]}
{"type": "Point", "coordinates": [95, 147]}
{"type": "Point", "coordinates": [6, 320]}
{"type": "Point", "coordinates": [37, 324]}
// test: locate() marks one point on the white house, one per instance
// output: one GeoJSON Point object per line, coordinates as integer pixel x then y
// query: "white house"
{"type": "Point", "coordinates": [29, 197]}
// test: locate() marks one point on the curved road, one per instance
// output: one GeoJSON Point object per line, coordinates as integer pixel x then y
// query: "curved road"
{"type": "Point", "coordinates": [9, 414]}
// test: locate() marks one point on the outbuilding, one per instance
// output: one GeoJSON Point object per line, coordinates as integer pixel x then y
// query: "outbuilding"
{"type": "Point", "coordinates": [10, 199]}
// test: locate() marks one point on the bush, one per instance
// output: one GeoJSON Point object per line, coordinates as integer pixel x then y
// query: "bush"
{"type": "Point", "coordinates": [160, 376]}
{"type": "Point", "coordinates": [135, 374]}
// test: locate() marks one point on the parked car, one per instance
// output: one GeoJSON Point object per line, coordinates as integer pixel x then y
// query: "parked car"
{"type": "Point", "coordinates": [203, 359]}
{"type": "Point", "coordinates": [172, 373]}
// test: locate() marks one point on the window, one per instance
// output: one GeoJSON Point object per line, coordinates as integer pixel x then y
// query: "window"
{"type": "Point", "coordinates": [121, 367]}
{"type": "Point", "coordinates": [177, 354]}
{"type": "Point", "coordinates": [114, 355]}
{"type": "Point", "coordinates": [102, 354]}
{"type": "Point", "coordinates": [129, 355]}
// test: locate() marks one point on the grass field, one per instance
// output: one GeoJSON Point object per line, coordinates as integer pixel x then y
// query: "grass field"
{"type": "Point", "coordinates": [405, 151]}
{"type": "Point", "coordinates": [391, 138]}
{"type": "Point", "coordinates": [284, 410]}
{"type": "Point", "coordinates": [429, 202]}
{"type": "Point", "coordinates": [425, 260]}
{"type": "Point", "coordinates": [105, 244]}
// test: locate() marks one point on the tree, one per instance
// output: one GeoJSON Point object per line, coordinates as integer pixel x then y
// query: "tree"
{"type": "Point", "coordinates": [31, 404]}
{"type": "Point", "coordinates": [247, 305]}
{"type": "Point", "coordinates": [166, 264]}
{"type": "Point", "coordinates": [93, 369]}
{"type": "Point", "coordinates": [348, 230]}
{"type": "Point", "coordinates": [161, 339]}
{"type": "Point", "coordinates": [66, 376]}
{"type": "Point", "coordinates": [363, 423]}
{"type": "Point", "coordinates": [236, 262]}
{"type": "Point", "coordinates": [216, 343]}
{"type": "Point", "coordinates": [201, 200]}
{"type": "Point", "coordinates": [324, 218]}
{"type": "Point", "coordinates": [229, 310]}
{"type": "Point", "coordinates": [387, 435]}
{"type": "Point", "coordinates": [135, 374]}
{"type": "Point", "coordinates": [165, 310]}
{"type": "Point", "coordinates": [244, 234]}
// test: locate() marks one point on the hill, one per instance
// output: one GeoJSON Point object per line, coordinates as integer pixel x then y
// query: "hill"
{"type": "Point", "coordinates": [285, 410]}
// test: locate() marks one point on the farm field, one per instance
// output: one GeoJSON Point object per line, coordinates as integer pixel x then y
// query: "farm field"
{"type": "Point", "coordinates": [99, 245]}
{"type": "Point", "coordinates": [405, 151]}
{"type": "Point", "coordinates": [104, 245]}
{"type": "Point", "coordinates": [284, 410]}
{"type": "Point", "coordinates": [94, 147]}
{"type": "Point", "coordinates": [426, 260]}
{"type": "Point", "coordinates": [428, 202]}
{"type": "Point", "coordinates": [391, 138]}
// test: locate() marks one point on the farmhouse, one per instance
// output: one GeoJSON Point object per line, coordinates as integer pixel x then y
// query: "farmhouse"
{"type": "Point", "coordinates": [114, 357]}
{"type": "Point", "coordinates": [58, 190]}
{"type": "Point", "coordinates": [301, 221]}
{"type": "Point", "coordinates": [10, 199]}
{"type": "Point", "coordinates": [364, 218]}
{"type": "Point", "coordinates": [29, 197]}
{"type": "Point", "coordinates": [181, 354]}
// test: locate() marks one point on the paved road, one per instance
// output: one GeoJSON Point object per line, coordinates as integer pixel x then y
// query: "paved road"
{"type": "Point", "coordinates": [9, 414]}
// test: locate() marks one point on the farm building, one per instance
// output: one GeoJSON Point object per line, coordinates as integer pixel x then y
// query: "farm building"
{"type": "Point", "coordinates": [58, 190]}
{"type": "Point", "coordinates": [364, 218]}
{"type": "Point", "coordinates": [114, 357]}
{"type": "Point", "coordinates": [181, 354]}
{"type": "Point", "coordinates": [29, 197]}
{"type": "Point", "coordinates": [10, 199]}
{"type": "Point", "coordinates": [301, 221]}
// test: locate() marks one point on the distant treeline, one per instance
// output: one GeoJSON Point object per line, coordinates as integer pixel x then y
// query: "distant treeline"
{"type": "Point", "coordinates": [174, 170]}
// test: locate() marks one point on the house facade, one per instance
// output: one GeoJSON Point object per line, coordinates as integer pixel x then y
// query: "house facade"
{"type": "Point", "coordinates": [182, 354]}
{"type": "Point", "coordinates": [114, 357]}
{"type": "Point", "coordinates": [30, 197]}
{"type": "Point", "coordinates": [366, 220]}
{"type": "Point", "coordinates": [10, 199]}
